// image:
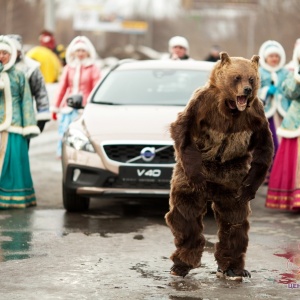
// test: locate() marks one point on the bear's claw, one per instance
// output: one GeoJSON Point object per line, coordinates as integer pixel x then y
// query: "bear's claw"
{"type": "Point", "coordinates": [180, 270]}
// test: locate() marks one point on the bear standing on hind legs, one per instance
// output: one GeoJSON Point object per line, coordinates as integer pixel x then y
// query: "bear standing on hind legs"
{"type": "Point", "coordinates": [223, 148]}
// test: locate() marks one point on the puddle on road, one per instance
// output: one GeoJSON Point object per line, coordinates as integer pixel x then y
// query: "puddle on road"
{"type": "Point", "coordinates": [184, 285]}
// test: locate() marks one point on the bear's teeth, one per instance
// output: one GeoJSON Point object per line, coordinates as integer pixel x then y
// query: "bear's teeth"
{"type": "Point", "coordinates": [241, 100]}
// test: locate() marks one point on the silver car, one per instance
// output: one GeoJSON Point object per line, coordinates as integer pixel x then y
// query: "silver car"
{"type": "Point", "coordinates": [121, 145]}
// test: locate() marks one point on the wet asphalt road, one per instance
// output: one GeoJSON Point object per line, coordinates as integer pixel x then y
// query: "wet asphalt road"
{"type": "Point", "coordinates": [119, 249]}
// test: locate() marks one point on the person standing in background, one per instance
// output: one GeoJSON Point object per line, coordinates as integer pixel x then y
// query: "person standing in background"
{"type": "Point", "coordinates": [179, 48]}
{"type": "Point", "coordinates": [214, 54]}
{"type": "Point", "coordinates": [79, 76]}
{"type": "Point", "coordinates": [36, 82]}
{"type": "Point", "coordinates": [284, 185]}
{"type": "Point", "coordinates": [291, 64]}
{"type": "Point", "coordinates": [272, 73]}
{"type": "Point", "coordinates": [17, 124]}
{"type": "Point", "coordinates": [50, 64]}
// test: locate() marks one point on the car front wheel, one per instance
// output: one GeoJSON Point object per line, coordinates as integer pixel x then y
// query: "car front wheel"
{"type": "Point", "coordinates": [73, 202]}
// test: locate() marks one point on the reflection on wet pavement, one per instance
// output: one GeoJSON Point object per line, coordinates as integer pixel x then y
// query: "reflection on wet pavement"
{"type": "Point", "coordinates": [15, 239]}
{"type": "Point", "coordinates": [17, 246]}
{"type": "Point", "coordinates": [19, 227]}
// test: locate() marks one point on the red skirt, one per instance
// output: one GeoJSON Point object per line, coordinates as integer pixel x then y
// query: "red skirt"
{"type": "Point", "coordinates": [284, 183]}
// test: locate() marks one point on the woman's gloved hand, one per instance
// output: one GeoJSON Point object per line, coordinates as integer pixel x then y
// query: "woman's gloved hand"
{"type": "Point", "coordinates": [272, 90]}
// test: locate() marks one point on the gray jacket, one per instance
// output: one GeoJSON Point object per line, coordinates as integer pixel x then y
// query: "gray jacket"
{"type": "Point", "coordinates": [37, 86]}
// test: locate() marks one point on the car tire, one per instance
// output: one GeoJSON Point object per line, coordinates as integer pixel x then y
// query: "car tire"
{"type": "Point", "coordinates": [73, 202]}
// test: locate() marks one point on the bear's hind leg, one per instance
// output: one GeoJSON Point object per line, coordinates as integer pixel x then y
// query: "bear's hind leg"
{"type": "Point", "coordinates": [233, 239]}
{"type": "Point", "coordinates": [185, 221]}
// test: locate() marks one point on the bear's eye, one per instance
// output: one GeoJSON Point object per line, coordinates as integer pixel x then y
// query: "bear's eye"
{"type": "Point", "coordinates": [237, 78]}
{"type": "Point", "coordinates": [251, 80]}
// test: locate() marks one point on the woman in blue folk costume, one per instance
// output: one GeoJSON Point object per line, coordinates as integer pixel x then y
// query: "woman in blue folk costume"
{"type": "Point", "coordinates": [284, 186]}
{"type": "Point", "coordinates": [272, 74]}
{"type": "Point", "coordinates": [17, 124]}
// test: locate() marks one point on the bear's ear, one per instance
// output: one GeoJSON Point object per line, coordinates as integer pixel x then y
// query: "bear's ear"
{"type": "Point", "coordinates": [255, 60]}
{"type": "Point", "coordinates": [225, 59]}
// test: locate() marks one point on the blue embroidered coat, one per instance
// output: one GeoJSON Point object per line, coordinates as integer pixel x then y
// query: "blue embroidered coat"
{"type": "Point", "coordinates": [290, 126]}
{"type": "Point", "coordinates": [16, 107]}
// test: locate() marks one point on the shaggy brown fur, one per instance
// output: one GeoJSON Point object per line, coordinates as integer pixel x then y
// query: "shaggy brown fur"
{"type": "Point", "coordinates": [223, 149]}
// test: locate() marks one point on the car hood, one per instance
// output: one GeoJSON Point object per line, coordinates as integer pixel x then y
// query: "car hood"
{"type": "Point", "coordinates": [125, 122]}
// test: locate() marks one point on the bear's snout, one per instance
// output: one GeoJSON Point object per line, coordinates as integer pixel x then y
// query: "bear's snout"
{"type": "Point", "coordinates": [247, 90]}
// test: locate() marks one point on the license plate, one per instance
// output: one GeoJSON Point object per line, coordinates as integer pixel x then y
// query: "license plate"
{"type": "Point", "coordinates": [142, 174]}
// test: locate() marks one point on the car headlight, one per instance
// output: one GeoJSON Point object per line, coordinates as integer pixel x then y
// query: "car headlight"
{"type": "Point", "coordinates": [78, 140]}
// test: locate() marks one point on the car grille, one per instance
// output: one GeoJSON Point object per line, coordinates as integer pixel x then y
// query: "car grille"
{"type": "Point", "coordinates": [164, 154]}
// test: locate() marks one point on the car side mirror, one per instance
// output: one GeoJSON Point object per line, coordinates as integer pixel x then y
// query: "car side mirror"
{"type": "Point", "coordinates": [75, 101]}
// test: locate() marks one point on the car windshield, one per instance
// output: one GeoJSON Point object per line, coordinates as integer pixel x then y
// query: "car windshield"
{"type": "Point", "coordinates": [149, 87]}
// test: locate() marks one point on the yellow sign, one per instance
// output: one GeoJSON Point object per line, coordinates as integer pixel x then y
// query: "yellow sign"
{"type": "Point", "coordinates": [135, 25]}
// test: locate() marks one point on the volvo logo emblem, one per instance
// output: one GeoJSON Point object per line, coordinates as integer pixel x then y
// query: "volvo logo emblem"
{"type": "Point", "coordinates": [148, 153]}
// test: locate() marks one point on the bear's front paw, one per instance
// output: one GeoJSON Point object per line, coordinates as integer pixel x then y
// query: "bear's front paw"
{"type": "Point", "coordinates": [197, 182]}
{"type": "Point", "coordinates": [198, 186]}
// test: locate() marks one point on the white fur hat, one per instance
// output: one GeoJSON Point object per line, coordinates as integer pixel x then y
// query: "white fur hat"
{"type": "Point", "coordinates": [5, 47]}
{"type": "Point", "coordinates": [296, 60]}
{"type": "Point", "coordinates": [81, 42]}
{"type": "Point", "coordinates": [178, 41]}
{"type": "Point", "coordinates": [272, 49]}
{"type": "Point", "coordinates": [8, 45]}
{"type": "Point", "coordinates": [267, 48]}
{"type": "Point", "coordinates": [296, 52]}
{"type": "Point", "coordinates": [17, 40]}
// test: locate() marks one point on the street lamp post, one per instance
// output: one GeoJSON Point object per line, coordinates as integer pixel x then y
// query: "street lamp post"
{"type": "Point", "coordinates": [49, 17]}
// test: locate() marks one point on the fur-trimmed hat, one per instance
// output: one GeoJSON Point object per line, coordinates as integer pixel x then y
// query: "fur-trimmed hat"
{"type": "Point", "coordinates": [81, 42]}
{"type": "Point", "coordinates": [296, 52]}
{"type": "Point", "coordinates": [296, 60]}
{"type": "Point", "coordinates": [266, 49]}
{"type": "Point", "coordinates": [17, 40]}
{"type": "Point", "coordinates": [272, 49]}
{"type": "Point", "coordinates": [8, 45]}
{"type": "Point", "coordinates": [179, 41]}
{"type": "Point", "coordinates": [5, 47]}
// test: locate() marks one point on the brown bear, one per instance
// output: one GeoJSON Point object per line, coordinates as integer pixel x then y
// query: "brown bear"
{"type": "Point", "coordinates": [223, 149]}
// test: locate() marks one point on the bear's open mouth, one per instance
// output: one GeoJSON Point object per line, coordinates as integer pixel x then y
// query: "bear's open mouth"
{"type": "Point", "coordinates": [241, 102]}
